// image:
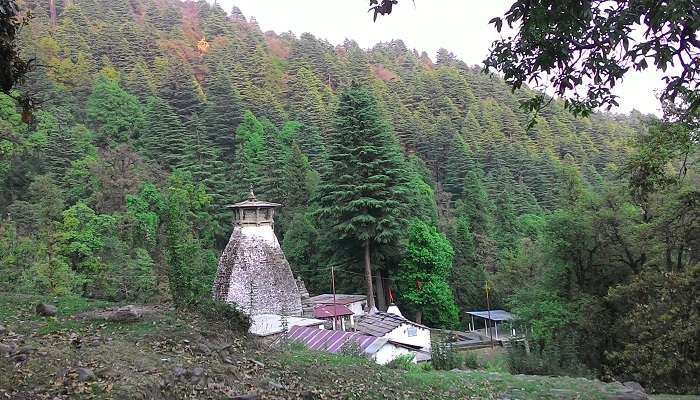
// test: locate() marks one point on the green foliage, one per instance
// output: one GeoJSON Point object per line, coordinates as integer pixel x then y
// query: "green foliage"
{"type": "Point", "coordinates": [662, 359]}
{"type": "Point", "coordinates": [119, 194]}
{"type": "Point", "coordinates": [228, 315]}
{"type": "Point", "coordinates": [352, 348]}
{"type": "Point", "coordinates": [443, 356]}
{"type": "Point", "coordinates": [403, 362]}
{"type": "Point", "coordinates": [568, 43]}
{"type": "Point", "coordinates": [114, 112]}
{"type": "Point", "coordinates": [165, 139]}
{"type": "Point", "coordinates": [422, 279]}
{"type": "Point", "coordinates": [191, 262]}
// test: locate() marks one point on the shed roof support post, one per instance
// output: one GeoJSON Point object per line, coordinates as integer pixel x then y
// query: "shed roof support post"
{"type": "Point", "coordinates": [495, 325]}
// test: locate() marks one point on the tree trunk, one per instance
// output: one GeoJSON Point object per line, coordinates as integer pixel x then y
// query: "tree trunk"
{"type": "Point", "coordinates": [419, 317]}
{"type": "Point", "coordinates": [381, 297]}
{"type": "Point", "coordinates": [368, 277]}
{"type": "Point", "coordinates": [52, 12]}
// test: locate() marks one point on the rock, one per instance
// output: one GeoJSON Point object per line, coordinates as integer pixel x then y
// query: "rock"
{"type": "Point", "coordinates": [308, 395]}
{"type": "Point", "coordinates": [128, 313]}
{"type": "Point", "coordinates": [3, 330]}
{"type": "Point", "coordinates": [26, 350]}
{"type": "Point", "coordinates": [249, 396]}
{"type": "Point", "coordinates": [179, 371]}
{"type": "Point", "coordinates": [20, 357]}
{"type": "Point", "coordinates": [635, 386]}
{"type": "Point", "coordinates": [85, 374]}
{"type": "Point", "coordinates": [197, 371]}
{"type": "Point", "coordinates": [6, 349]}
{"type": "Point", "coordinates": [202, 349]}
{"type": "Point", "coordinates": [272, 385]}
{"type": "Point", "coordinates": [633, 395]}
{"type": "Point", "coordinates": [46, 310]}
{"type": "Point", "coordinates": [107, 373]}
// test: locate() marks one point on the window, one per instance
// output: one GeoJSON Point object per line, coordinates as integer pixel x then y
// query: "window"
{"type": "Point", "coordinates": [412, 331]}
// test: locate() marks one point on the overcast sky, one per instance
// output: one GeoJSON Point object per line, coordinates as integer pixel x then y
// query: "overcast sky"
{"type": "Point", "coordinates": [461, 26]}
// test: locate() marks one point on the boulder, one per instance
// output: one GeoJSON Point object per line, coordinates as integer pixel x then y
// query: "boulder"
{"type": "Point", "coordinates": [124, 314]}
{"type": "Point", "coordinates": [635, 386]}
{"type": "Point", "coordinates": [3, 330]}
{"type": "Point", "coordinates": [46, 310]}
{"type": "Point", "coordinates": [85, 374]}
{"type": "Point", "coordinates": [6, 349]}
{"type": "Point", "coordinates": [202, 349]}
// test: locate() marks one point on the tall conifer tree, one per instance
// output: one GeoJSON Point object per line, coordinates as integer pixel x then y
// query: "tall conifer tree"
{"type": "Point", "coordinates": [364, 184]}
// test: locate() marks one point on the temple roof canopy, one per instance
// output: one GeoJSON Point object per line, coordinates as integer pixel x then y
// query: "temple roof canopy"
{"type": "Point", "coordinates": [252, 202]}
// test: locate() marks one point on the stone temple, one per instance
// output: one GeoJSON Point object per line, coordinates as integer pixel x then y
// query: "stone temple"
{"type": "Point", "coordinates": [253, 272]}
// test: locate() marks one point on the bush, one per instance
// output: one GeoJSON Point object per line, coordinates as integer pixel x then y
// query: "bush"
{"type": "Point", "coordinates": [470, 360]}
{"type": "Point", "coordinates": [228, 315]}
{"type": "Point", "coordinates": [559, 357]}
{"type": "Point", "coordinates": [352, 348]}
{"type": "Point", "coordinates": [443, 356]}
{"type": "Point", "coordinates": [404, 362]}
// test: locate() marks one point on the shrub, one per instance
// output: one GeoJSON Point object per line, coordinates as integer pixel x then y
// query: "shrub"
{"type": "Point", "coordinates": [443, 356]}
{"type": "Point", "coordinates": [404, 362]}
{"type": "Point", "coordinates": [471, 360]}
{"type": "Point", "coordinates": [228, 315]}
{"type": "Point", "coordinates": [352, 348]}
{"type": "Point", "coordinates": [559, 357]}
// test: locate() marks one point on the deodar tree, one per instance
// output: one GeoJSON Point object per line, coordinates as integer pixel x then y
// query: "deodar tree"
{"type": "Point", "coordinates": [363, 188]}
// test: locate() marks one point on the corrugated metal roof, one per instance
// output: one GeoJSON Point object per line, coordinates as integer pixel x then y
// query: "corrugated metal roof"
{"type": "Point", "coordinates": [332, 341]}
{"type": "Point", "coordinates": [381, 323]}
{"type": "Point", "coordinates": [270, 324]}
{"type": "Point", "coordinates": [495, 315]}
{"type": "Point", "coordinates": [344, 299]}
{"type": "Point", "coordinates": [331, 311]}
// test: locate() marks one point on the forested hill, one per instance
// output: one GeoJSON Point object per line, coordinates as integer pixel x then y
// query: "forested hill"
{"type": "Point", "coordinates": [151, 115]}
{"type": "Point", "coordinates": [129, 91]}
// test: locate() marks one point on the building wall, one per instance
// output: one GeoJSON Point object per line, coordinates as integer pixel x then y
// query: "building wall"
{"type": "Point", "coordinates": [389, 352]}
{"type": "Point", "coordinates": [253, 261]}
{"type": "Point", "coordinates": [400, 334]}
{"type": "Point", "coordinates": [357, 307]}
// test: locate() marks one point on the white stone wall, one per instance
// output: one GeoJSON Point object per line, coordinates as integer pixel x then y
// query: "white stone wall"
{"type": "Point", "coordinates": [357, 307]}
{"type": "Point", "coordinates": [389, 352]}
{"type": "Point", "coordinates": [253, 258]}
{"type": "Point", "coordinates": [400, 334]}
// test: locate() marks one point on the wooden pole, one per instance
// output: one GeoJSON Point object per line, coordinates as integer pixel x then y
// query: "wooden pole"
{"type": "Point", "coordinates": [333, 286]}
{"type": "Point", "coordinates": [488, 309]}
{"type": "Point", "coordinates": [368, 277]}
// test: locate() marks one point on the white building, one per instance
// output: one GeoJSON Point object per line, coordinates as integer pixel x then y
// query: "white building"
{"type": "Point", "coordinates": [355, 302]}
{"type": "Point", "coordinates": [268, 327]}
{"type": "Point", "coordinates": [379, 349]}
{"type": "Point", "coordinates": [395, 328]}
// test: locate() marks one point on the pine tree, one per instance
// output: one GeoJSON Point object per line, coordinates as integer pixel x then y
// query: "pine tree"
{"type": "Point", "coordinates": [204, 163]}
{"type": "Point", "coordinates": [364, 185]}
{"type": "Point", "coordinates": [180, 89]}
{"type": "Point", "coordinates": [164, 139]}
{"type": "Point", "coordinates": [140, 82]}
{"type": "Point", "coordinates": [222, 114]}
{"type": "Point", "coordinates": [273, 165]}
{"type": "Point", "coordinates": [250, 141]}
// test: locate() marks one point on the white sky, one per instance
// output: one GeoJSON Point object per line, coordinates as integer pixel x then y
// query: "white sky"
{"type": "Point", "coordinates": [460, 26]}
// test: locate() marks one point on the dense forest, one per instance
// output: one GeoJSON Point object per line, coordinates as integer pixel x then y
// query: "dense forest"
{"type": "Point", "coordinates": [152, 115]}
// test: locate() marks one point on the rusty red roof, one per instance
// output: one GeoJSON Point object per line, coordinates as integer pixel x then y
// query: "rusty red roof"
{"type": "Point", "coordinates": [333, 341]}
{"type": "Point", "coordinates": [331, 311]}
